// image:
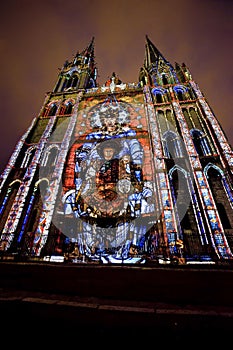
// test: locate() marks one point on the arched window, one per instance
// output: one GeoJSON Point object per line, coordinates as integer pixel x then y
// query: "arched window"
{"type": "Point", "coordinates": [172, 145]}
{"type": "Point", "coordinates": [186, 212]}
{"type": "Point", "coordinates": [50, 155]}
{"type": "Point", "coordinates": [28, 156]}
{"type": "Point", "coordinates": [200, 142]}
{"type": "Point", "coordinates": [51, 109]}
{"type": "Point", "coordinates": [222, 194]}
{"type": "Point", "coordinates": [180, 91]}
{"type": "Point", "coordinates": [70, 81]}
{"type": "Point", "coordinates": [159, 94]}
{"type": "Point", "coordinates": [66, 108]}
{"type": "Point", "coordinates": [159, 98]}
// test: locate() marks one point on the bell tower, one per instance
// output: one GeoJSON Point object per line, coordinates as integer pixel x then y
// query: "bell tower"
{"type": "Point", "coordinates": [80, 73]}
{"type": "Point", "coordinates": [181, 109]}
{"type": "Point", "coordinates": [25, 212]}
{"type": "Point", "coordinates": [156, 71]}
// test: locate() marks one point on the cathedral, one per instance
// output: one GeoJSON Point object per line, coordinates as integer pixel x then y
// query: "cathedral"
{"type": "Point", "coordinates": [124, 172]}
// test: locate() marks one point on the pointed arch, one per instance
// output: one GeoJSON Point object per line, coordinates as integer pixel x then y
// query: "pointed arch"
{"type": "Point", "coordinates": [51, 109]}
{"type": "Point", "coordinates": [211, 165]}
{"type": "Point", "coordinates": [180, 92]}
{"type": "Point", "coordinates": [69, 202]}
{"type": "Point", "coordinates": [172, 144]}
{"type": "Point", "coordinates": [177, 168]}
{"type": "Point", "coordinates": [50, 155]}
{"type": "Point", "coordinates": [200, 142]}
{"type": "Point", "coordinates": [159, 94]}
{"type": "Point", "coordinates": [28, 156]}
{"type": "Point", "coordinates": [66, 107]}
{"type": "Point", "coordinates": [222, 194]}
{"type": "Point", "coordinates": [187, 212]}
{"type": "Point", "coordinates": [71, 80]}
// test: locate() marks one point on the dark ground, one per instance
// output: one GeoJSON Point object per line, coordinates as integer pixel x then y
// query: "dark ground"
{"type": "Point", "coordinates": [95, 305]}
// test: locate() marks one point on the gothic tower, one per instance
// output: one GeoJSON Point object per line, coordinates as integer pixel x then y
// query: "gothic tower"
{"type": "Point", "coordinates": [120, 172]}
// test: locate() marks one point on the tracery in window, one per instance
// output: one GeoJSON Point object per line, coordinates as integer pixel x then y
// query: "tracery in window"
{"type": "Point", "coordinates": [200, 142]}
{"type": "Point", "coordinates": [50, 155]}
{"type": "Point", "coordinates": [28, 156]}
{"type": "Point", "coordinates": [172, 145]}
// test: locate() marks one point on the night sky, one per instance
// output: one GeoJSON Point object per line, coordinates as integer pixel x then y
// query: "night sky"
{"type": "Point", "coordinates": [36, 37]}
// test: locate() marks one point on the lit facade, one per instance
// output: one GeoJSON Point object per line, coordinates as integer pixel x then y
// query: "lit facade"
{"type": "Point", "coordinates": [120, 173]}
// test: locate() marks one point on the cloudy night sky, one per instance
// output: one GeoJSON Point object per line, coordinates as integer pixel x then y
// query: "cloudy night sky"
{"type": "Point", "coordinates": [36, 37]}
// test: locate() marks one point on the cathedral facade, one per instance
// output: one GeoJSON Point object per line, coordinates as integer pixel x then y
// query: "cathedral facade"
{"type": "Point", "coordinates": [120, 172]}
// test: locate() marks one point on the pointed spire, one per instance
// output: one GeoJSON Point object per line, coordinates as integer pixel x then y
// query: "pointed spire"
{"type": "Point", "coordinates": [90, 48]}
{"type": "Point", "coordinates": [152, 54]}
{"type": "Point", "coordinates": [80, 73]}
{"type": "Point", "coordinates": [88, 52]}
{"type": "Point", "coordinates": [156, 69]}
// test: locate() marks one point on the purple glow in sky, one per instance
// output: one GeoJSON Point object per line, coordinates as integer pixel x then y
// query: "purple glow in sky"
{"type": "Point", "coordinates": [37, 37]}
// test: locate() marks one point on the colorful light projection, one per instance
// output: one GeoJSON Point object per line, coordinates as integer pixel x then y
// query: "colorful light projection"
{"type": "Point", "coordinates": [113, 199]}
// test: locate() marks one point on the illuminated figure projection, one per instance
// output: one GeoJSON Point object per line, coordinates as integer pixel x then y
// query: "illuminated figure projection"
{"type": "Point", "coordinates": [110, 192]}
